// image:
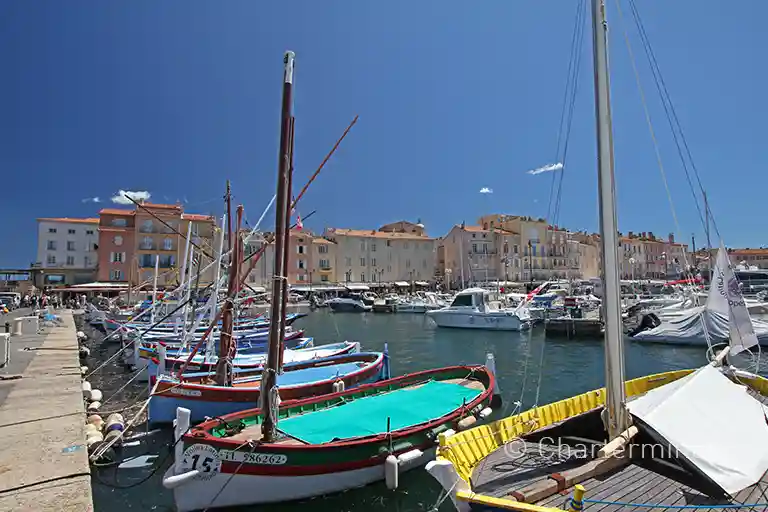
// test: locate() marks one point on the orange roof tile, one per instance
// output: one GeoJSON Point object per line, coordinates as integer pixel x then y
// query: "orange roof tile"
{"type": "Point", "coordinates": [752, 252]}
{"type": "Point", "coordinates": [480, 229]}
{"type": "Point", "coordinates": [376, 234]}
{"type": "Point", "coordinates": [116, 211]}
{"type": "Point", "coordinates": [68, 219]}
{"type": "Point", "coordinates": [162, 206]}
{"type": "Point", "coordinates": [196, 216]}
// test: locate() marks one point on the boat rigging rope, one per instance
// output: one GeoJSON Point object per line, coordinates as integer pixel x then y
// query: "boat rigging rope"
{"type": "Point", "coordinates": [676, 507]}
{"type": "Point", "coordinates": [239, 467]}
{"type": "Point", "coordinates": [657, 151]}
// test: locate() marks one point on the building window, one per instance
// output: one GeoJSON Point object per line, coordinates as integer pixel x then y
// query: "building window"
{"type": "Point", "coordinates": [300, 264]}
{"type": "Point", "coordinates": [324, 278]}
{"type": "Point", "coordinates": [51, 230]}
{"type": "Point", "coordinates": [70, 246]}
{"type": "Point", "coordinates": [389, 268]}
{"type": "Point", "coordinates": [373, 247]}
{"type": "Point", "coordinates": [71, 231]}
{"type": "Point", "coordinates": [87, 261]}
{"type": "Point", "coordinates": [167, 244]}
{"type": "Point", "coordinates": [389, 243]}
{"type": "Point", "coordinates": [195, 229]}
{"type": "Point", "coordinates": [120, 223]}
{"type": "Point", "coordinates": [70, 260]}
{"type": "Point", "coordinates": [146, 243]}
{"type": "Point", "coordinates": [324, 264]}
{"type": "Point", "coordinates": [51, 245]}
{"type": "Point", "coordinates": [118, 240]}
{"type": "Point", "coordinates": [362, 246]}
{"type": "Point", "coordinates": [362, 277]}
{"type": "Point", "coordinates": [300, 277]}
{"type": "Point", "coordinates": [322, 249]}
{"type": "Point", "coordinates": [51, 259]}
{"type": "Point", "coordinates": [116, 275]}
{"type": "Point", "coordinates": [252, 278]}
{"type": "Point", "coordinates": [89, 232]}
{"type": "Point", "coordinates": [117, 257]}
{"type": "Point", "coordinates": [474, 248]}
{"type": "Point", "coordinates": [407, 263]}
{"type": "Point", "coordinates": [300, 249]}
{"type": "Point", "coordinates": [362, 262]}
{"type": "Point", "coordinates": [373, 262]}
{"type": "Point", "coordinates": [348, 261]}
{"type": "Point", "coordinates": [147, 226]}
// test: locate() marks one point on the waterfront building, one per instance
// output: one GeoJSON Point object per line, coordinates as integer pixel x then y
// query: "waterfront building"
{"type": "Point", "coordinates": [66, 251]}
{"type": "Point", "coordinates": [400, 253]}
{"type": "Point", "coordinates": [131, 241]}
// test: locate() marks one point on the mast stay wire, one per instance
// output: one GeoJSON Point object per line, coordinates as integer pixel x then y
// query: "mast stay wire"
{"type": "Point", "coordinates": [681, 143]}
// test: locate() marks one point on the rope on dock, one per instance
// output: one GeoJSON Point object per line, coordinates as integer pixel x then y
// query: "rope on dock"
{"type": "Point", "coordinates": [676, 507]}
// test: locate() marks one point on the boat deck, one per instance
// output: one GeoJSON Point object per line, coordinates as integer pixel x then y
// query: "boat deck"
{"type": "Point", "coordinates": [648, 481]}
{"type": "Point", "coordinates": [370, 415]}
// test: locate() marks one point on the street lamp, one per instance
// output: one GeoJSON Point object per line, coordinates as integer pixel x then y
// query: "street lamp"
{"type": "Point", "coordinates": [632, 272]}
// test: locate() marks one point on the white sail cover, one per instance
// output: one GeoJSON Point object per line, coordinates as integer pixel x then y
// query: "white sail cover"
{"type": "Point", "coordinates": [725, 297]}
{"type": "Point", "coordinates": [713, 423]}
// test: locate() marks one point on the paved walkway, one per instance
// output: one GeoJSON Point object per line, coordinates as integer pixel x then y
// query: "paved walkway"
{"type": "Point", "coordinates": [43, 460]}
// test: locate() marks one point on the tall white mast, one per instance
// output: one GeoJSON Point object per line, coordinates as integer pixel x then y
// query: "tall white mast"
{"type": "Point", "coordinates": [614, 342]}
{"type": "Point", "coordinates": [154, 289]}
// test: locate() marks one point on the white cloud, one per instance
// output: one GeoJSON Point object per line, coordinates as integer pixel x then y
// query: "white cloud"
{"type": "Point", "coordinates": [546, 168]}
{"type": "Point", "coordinates": [139, 195]}
{"type": "Point", "coordinates": [92, 200]}
{"type": "Point", "coordinates": [486, 190]}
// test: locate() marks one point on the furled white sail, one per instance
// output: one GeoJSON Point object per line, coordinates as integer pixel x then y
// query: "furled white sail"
{"type": "Point", "coordinates": [713, 423]}
{"type": "Point", "coordinates": [725, 297]}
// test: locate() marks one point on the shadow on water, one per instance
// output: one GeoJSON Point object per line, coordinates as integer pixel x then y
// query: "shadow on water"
{"type": "Point", "coordinates": [527, 369]}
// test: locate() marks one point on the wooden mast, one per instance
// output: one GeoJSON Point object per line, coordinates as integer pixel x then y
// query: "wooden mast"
{"type": "Point", "coordinates": [286, 248]}
{"type": "Point", "coordinates": [223, 373]}
{"type": "Point", "coordinates": [269, 377]}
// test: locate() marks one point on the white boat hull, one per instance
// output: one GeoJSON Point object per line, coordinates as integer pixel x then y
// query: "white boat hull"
{"type": "Point", "coordinates": [493, 321]}
{"type": "Point", "coordinates": [242, 490]}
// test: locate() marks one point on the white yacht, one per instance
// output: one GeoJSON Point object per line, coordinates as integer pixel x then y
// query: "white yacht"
{"type": "Point", "coordinates": [473, 309]}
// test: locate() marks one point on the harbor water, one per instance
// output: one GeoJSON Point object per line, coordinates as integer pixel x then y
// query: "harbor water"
{"type": "Point", "coordinates": [530, 369]}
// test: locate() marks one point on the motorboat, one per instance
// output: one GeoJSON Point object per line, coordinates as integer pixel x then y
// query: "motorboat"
{"type": "Point", "coordinates": [473, 309]}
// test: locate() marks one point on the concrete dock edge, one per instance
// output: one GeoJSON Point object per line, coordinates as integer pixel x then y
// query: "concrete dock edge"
{"type": "Point", "coordinates": [43, 460]}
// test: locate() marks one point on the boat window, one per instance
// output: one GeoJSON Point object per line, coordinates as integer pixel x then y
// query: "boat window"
{"type": "Point", "coordinates": [462, 300]}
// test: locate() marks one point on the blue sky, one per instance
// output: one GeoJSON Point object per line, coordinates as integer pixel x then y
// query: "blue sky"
{"type": "Point", "coordinates": [174, 97]}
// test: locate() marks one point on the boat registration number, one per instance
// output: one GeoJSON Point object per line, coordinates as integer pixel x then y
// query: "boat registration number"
{"type": "Point", "coordinates": [267, 459]}
{"type": "Point", "coordinates": [185, 392]}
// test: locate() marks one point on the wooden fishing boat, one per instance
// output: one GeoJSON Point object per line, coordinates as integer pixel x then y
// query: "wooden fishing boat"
{"type": "Point", "coordinates": [689, 439]}
{"type": "Point", "coordinates": [299, 380]}
{"type": "Point", "coordinates": [247, 362]}
{"type": "Point", "coordinates": [247, 344]}
{"type": "Point", "coordinates": [325, 444]}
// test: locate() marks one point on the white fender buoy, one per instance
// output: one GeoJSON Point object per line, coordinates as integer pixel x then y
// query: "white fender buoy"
{"type": "Point", "coordinates": [485, 413]}
{"type": "Point", "coordinates": [86, 389]}
{"type": "Point", "coordinates": [338, 386]}
{"type": "Point", "coordinates": [96, 421]}
{"type": "Point", "coordinates": [117, 435]}
{"type": "Point", "coordinates": [115, 422]}
{"type": "Point", "coordinates": [93, 406]}
{"type": "Point", "coordinates": [83, 370]}
{"type": "Point", "coordinates": [391, 472]}
{"type": "Point", "coordinates": [467, 422]}
{"type": "Point", "coordinates": [96, 395]}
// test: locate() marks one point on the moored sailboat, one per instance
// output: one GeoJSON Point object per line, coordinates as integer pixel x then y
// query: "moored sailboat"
{"type": "Point", "coordinates": [323, 444]}
{"type": "Point", "coordinates": [684, 439]}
